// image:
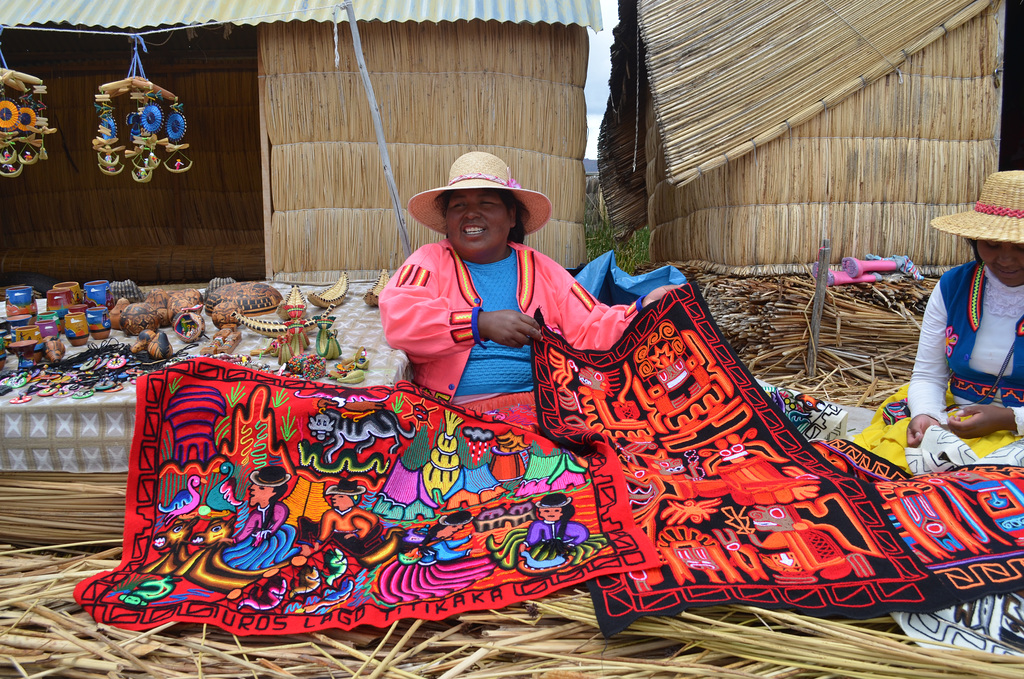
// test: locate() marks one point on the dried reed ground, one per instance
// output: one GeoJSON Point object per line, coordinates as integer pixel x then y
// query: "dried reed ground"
{"type": "Point", "coordinates": [44, 633]}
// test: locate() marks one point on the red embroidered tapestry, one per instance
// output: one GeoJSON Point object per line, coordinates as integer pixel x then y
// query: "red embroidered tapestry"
{"type": "Point", "coordinates": [742, 509]}
{"type": "Point", "coordinates": [265, 504]}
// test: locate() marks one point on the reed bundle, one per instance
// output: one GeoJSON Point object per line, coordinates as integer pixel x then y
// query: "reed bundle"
{"type": "Point", "coordinates": [443, 89]}
{"type": "Point", "coordinates": [47, 634]}
{"type": "Point", "coordinates": [868, 172]}
{"type": "Point", "coordinates": [867, 341]}
{"type": "Point", "coordinates": [750, 74]}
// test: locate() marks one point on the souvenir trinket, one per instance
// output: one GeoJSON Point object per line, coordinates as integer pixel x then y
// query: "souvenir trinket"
{"type": "Point", "coordinates": [189, 324]}
{"type": "Point", "coordinates": [138, 317]}
{"type": "Point", "coordinates": [23, 127]}
{"type": "Point", "coordinates": [333, 295]}
{"type": "Point", "coordinates": [142, 126]}
{"type": "Point", "coordinates": [372, 296]}
{"type": "Point", "coordinates": [253, 299]}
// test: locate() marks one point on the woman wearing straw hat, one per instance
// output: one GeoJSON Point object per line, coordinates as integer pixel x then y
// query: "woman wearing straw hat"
{"type": "Point", "coordinates": [966, 394]}
{"type": "Point", "coordinates": [462, 309]}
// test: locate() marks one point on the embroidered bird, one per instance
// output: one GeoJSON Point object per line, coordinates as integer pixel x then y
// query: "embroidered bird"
{"type": "Point", "coordinates": [225, 496]}
{"type": "Point", "coordinates": [186, 500]}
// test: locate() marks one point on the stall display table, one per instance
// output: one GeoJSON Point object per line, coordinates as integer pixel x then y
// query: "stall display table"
{"type": "Point", "coordinates": [94, 434]}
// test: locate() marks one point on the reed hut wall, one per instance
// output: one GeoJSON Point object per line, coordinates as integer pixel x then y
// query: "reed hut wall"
{"type": "Point", "coordinates": [515, 90]}
{"type": "Point", "coordinates": [63, 218]}
{"type": "Point", "coordinates": [869, 173]}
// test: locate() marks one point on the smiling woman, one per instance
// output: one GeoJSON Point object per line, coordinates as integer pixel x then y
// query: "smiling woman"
{"type": "Point", "coordinates": [972, 344]}
{"type": "Point", "coordinates": [463, 309]}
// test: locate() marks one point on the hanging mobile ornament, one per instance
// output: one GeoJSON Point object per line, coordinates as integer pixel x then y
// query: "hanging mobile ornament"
{"type": "Point", "coordinates": [142, 125]}
{"type": "Point", "coordinates": [21, 122]}
{"type": "Point", "coordinates": [177, 161]}
{"type": "Point", "coordinates": [109, 157]}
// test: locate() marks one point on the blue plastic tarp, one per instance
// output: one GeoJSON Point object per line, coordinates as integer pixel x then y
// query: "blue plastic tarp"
{"type": "Point", "coordinates": [611, 285]}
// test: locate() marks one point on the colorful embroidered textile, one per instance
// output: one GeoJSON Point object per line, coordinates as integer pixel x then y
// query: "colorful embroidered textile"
{"type": "Point", "coordinates": [264, 504]}
{"type": "Point", "coordinates": [743, 510]}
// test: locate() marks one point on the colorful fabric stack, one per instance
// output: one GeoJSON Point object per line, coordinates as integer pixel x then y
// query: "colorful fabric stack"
{"type": "Point", "coordinates": [662, 474]}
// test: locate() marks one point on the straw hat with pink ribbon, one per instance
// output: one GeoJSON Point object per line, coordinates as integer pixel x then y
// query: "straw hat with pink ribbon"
{"type": "Point", "coordinates": [479, 170]}
{"type": "Point", "coordinates": [997, 216]}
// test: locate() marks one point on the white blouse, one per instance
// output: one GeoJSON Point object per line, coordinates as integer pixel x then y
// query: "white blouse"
{"type": "Point", "coordinates": [1002, 307]}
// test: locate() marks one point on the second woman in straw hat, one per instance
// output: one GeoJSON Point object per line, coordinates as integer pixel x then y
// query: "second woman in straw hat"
{"type": "Point", "coordinates": [965, 399]}
{"type": "Point", "coordinates": [463, 309]}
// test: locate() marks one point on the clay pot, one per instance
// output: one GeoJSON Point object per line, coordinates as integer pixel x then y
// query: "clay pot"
{"type": "Point", "coordinates": [77, 294]}
{"type": "Point", "coordinates": [99, 293]}
{"type": "Point", "coordinates": [115, 313]}
{"type": "Point", "coordinates": [76, 328]}
{"type": "Point", "coordinates": [28, 332]}
{"type": "Point", "coordinates": [138, 317]}
{"type": "Point", "coordinates": [48, 327]}
{"type": "Point", "coordinates": [25, 350]}
{"type": "Point", "coordinates": [53, 349]}
{"type": "Point", "coordinates": [15, 322]}
{"type": "Point", "coordinates": [98, 319]}
{"type": "Point", "coordinates": [20, 301]}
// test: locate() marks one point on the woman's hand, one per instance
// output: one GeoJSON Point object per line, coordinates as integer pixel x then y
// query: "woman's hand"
{"type": "Point", "coordinates": [917, 427]}
{"type": "Point", "coordinates": [657, 293]}
{"type": "Point", "coordinates": [972, 421]}
{"type": "Point", "coordinates": [511, 328]}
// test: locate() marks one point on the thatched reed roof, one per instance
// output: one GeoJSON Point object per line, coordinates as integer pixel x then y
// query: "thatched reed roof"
{"type": "Point", "coordinates": [727, 77]}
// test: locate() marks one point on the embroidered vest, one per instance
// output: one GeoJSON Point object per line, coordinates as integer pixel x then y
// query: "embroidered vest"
{"type": "Point", "coordinates": [963, 290]}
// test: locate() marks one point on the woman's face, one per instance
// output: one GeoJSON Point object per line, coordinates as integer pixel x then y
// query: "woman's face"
{"type": "Point", "coordinates": [549, 513]}
{"type": "Point", "coordinates": [478, 225]}
{"type": "Point", "coordinates": [1004, 260]}
{"type": "Point", "coordinates": [260, 495]}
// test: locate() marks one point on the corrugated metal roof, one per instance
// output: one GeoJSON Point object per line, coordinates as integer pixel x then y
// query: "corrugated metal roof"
{"type": "Point", "coordinates": [136, 15]}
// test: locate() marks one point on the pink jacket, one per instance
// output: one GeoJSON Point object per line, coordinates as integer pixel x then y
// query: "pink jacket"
{"type": "Point", "coordinates": [426, 310]}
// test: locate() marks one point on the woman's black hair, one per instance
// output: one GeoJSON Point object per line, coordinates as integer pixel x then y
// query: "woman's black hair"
{"type": "Point", "coordinates": [459, 518]}
{"type": "Point", "coordinates": [974, 247]}
{"type": "Point", "coordinates": [518, 232]}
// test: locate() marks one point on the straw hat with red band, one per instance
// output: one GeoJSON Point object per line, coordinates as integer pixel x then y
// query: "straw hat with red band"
{"type": "Point", "coordinates": [997, 216]}
{"type": "Point", "coordinates": [479, 170]}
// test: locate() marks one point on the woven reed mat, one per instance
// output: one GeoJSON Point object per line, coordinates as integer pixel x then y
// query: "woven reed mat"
{"type": "Point", "coordinates": [46, 634]}
{"type": "Point", "coordinates": [867, 338]}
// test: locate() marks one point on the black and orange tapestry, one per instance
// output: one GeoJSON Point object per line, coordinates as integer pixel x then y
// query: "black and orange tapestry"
{"type": "Point", "coordinates": [742, 509]}
{"type": "Point", "coordinates": [266, 504]}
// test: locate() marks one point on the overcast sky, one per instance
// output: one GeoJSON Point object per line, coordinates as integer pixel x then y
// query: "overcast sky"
{"type": "Point", "coordinates": [598, 72]}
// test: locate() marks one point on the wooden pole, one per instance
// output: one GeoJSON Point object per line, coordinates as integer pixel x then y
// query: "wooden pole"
{"type": "Point", "coordinates": [824, 253]}
{"type": "Point", "coordinates": [268, 201]}
{"type": "Point", "coordinates": [378, 127]}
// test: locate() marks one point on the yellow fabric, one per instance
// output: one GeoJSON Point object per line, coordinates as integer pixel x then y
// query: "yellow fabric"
{"type": "Point", "coordinates": [890, 441]}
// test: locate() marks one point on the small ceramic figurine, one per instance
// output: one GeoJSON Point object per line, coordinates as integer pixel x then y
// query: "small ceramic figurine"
{"type": "Point", "coordinates": [53, 349]}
